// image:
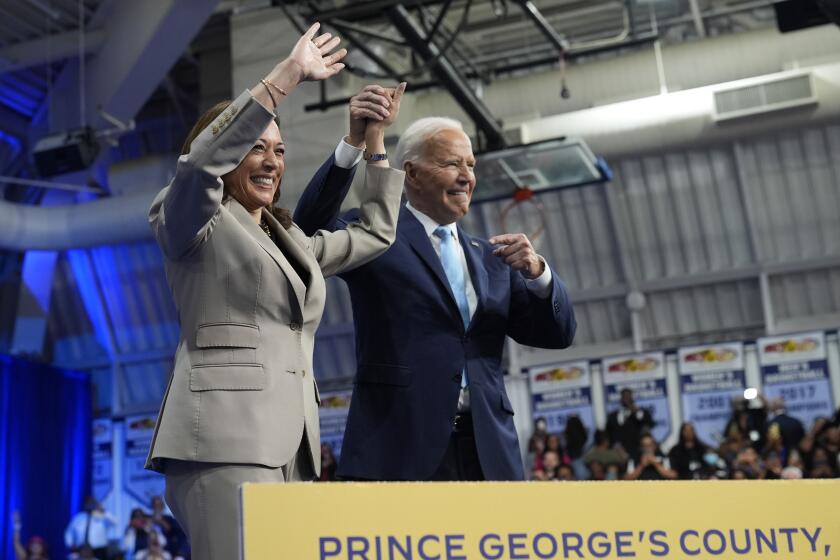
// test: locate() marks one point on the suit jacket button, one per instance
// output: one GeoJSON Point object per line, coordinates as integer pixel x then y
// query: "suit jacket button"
{"type": "Point", "coordinates": [456, 377]}
{"type": "Point", "coordinates": [303, 372]}
{"type": "Point", "coordinates": [295, 326]}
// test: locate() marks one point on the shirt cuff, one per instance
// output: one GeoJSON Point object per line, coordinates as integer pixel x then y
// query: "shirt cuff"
{"type": "Point", "coordinates": [347, 156]}
{"type": "Point", "coordinates": [541, 285]}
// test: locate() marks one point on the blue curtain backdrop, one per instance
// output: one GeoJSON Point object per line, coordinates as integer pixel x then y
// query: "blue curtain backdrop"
{"type": "Point", "coordinates": [45, 450]}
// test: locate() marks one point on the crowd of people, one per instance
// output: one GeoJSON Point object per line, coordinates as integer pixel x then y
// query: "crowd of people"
{"type": "Point", "coordinates": [761, 441]}
{"type": "Point", "coordinates": [93, 533]}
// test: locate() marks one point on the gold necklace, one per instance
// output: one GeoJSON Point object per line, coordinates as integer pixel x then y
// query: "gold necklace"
{"type": "Point", "coordinates": [265, 228]}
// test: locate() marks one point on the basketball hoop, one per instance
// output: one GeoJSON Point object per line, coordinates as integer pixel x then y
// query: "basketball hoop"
{"type": "Point", "coordinates": [524, 195]}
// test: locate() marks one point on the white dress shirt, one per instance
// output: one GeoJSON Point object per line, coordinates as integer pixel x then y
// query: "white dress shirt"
{"type": "Point", "coordinates": [540, 286]}
{"type": "Point", "coordinates": [102, 527]}
{"type": "Point", "coordinates": [347, 156]}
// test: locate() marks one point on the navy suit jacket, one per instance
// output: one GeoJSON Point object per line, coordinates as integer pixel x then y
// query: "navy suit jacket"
{"type": "Point", "coordinates": [411, 347]}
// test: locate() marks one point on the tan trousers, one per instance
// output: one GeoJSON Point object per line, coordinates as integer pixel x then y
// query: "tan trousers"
{"type": "Point", "coordinates": [205, 499]}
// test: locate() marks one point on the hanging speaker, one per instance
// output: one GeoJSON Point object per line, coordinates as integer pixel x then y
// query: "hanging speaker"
{"type": "Point", "coordinates": [65, 152]}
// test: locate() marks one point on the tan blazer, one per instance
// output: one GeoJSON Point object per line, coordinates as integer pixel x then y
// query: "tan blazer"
{"type": "Point", "coordinates": [242, 387]}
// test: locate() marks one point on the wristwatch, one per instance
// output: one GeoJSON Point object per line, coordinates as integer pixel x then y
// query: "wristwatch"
{"type": "Point", "coordinates": [374, 157]}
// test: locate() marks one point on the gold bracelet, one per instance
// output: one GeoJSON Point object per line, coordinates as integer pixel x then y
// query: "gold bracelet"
{"type": "Point", "coordinates": [268, 90]}
{"type": "Point", "coordinates": [275, 86]}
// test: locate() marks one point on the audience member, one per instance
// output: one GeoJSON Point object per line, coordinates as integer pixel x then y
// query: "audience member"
{"type": "Point", "coordinates": [328, 463]}
{"type": "Point", "coordinates": [732, 444]}
{"type": "Point", "coordinates": [650, 463]}
{"type": "Point", "coordinates": [603, 453]}
{"type": "Point", "coordinates": [176, 540]}
{"type": "Point", "coordinates": [809, 442]}
{"type": "Point", "coordinates": [36, 547]}
{"type": "Point", "coordinates": [552, 443]}
{"type": "Point", "coordinates": [566, 473]}
{"type": "Point", "coordinates": [551, 462]}
{"type": "Point", "coordinates": [540, 434]}
{"type": "Point", "coordinates": [137, 534]}
{"type": "Point", "coordinates": [154, 551]}
{"type": "Point", "coordinates": [85, 552]}
{"type": "Point", "coordinates": [774, 443]}
{"type": "Point", "coordinates": [575, 436]}
{"type": "Point", "coordinates": [749, 417]}
{"type": "Point", "coordinates": [628, 423]}
{"type": "Point", "coordinates": [794, 459]}
{"type": "Point", "coordinates": [687, 456]}
{"type": "Point", "coordinates": [831, 443]}
{"type": "Point", "coordinates": [92, 526]}
{"type": "Point", "coordinates": [773, 466]}
{"type": "Point", "coordinates": [597, 471]}
{"type": "Point", "coordinates": [791, 473]}
{"type": "Point", "coordinates": [535, 456]}
{"type": "Point", "coordinates": [747, 465]}
{"type": "Point", "coordinates": [789, 428]}
{"type": "Point", "coordinates": [820, 465]}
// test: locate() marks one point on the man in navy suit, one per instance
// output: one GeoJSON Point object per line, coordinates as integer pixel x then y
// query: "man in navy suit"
{"type": "Point", "coordinates": [431, 316]}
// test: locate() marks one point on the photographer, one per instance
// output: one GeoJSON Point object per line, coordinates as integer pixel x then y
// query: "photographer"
{"type": "Point", "coordinates": [138, 534]}
{"type": "Point", "coordinates": [650, 463]}
{"type": "Point", "coordinates": [628, 423]}
{"type": "Point", "coordinates": [749, 419]}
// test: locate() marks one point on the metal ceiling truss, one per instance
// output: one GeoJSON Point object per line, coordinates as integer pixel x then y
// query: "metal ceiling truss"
{"type": "Point", "coordinates": [439, 52]}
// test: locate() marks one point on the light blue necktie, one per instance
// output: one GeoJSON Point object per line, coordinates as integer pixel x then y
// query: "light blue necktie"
{"type": "Point", "coordinates": [451, 261]}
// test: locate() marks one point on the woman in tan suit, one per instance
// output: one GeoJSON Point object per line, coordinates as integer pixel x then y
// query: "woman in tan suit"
{"type": "Point", "coordinates": [242, 403]}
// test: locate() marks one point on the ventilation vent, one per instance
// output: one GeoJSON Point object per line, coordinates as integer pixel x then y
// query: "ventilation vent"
{"type": "Point", "coordinates": [768, 95]}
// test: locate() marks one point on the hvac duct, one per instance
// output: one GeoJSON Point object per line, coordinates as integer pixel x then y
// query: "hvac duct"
{"type": "Point", "coordinates": [120, 218]}
{"type": "Point", "coordinates": [105, 221]}
{"type": "Point", "coordinates": [685, 118]}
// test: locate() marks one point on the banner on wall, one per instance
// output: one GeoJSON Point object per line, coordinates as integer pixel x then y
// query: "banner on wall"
{"type": "Point", "coordinates": [710, 376]}
{"type": "Point", "coordinates": [139, 483]}
{"type": "Point", "coordinates": [103, 445]}
{"type": "Point", "coordinates": [560, 391]}
{"type": "Point", "coordinates": [335, 405]}
{"type": "Point", "coordinates": [520, 520]}
{"type": "Point", "coordinates": [795, 368]}
{"type": "Point", "coordinates": [644, 374]}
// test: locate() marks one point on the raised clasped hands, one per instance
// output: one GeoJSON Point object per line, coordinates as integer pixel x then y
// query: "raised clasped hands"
{"type": "Point", "coordinates": [518, 253]}
{"type": "Point", "coordinates": [372, 111]}
{"type": "Point", "coordinates": [373, 103]}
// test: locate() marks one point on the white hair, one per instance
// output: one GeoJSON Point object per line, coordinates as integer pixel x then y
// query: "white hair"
{"type": "Point", "coordinates": [411, 142]}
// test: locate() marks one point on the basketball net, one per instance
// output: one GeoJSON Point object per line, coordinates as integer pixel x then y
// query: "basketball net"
{"type": "Point", "coordinates": [524, 195]}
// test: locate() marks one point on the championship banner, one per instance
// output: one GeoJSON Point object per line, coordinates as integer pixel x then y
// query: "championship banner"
{"type": "Point", "coordinates": [644, 374]}
{"type": "Point", "coordinates": [710, 376]}
{"type": "Point", "coordinates": [103, 445]}
{"type": "Point", "coordinates": [560, 391]}
{"type": "Point", "coordinates": [795, 369]}
{"type": "Point", "coordinates": [335, 405]}
{"type": "Point", "coordinates": [724, 520]}
{"type": "Point", "coordinates": [138, 482]}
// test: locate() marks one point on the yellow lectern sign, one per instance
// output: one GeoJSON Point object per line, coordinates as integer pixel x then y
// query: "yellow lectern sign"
{"type": "Point", "coordinates": [539, 521]}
